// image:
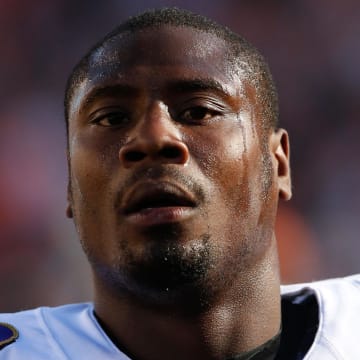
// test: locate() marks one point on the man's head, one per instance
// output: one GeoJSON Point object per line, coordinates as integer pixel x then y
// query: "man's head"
{"type": "Point", "coordinates": [176, 163]}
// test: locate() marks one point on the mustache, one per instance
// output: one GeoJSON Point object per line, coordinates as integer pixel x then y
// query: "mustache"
{"type": "Point", "coordinates": [162, 173]}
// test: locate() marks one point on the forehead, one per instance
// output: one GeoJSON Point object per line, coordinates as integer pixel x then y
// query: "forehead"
{"type": "Point", "coordinates": [161, 47]}
{"type": "Point", "coordinates": [153, 57]}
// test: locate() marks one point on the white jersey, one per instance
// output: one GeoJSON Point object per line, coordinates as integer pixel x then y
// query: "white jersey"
{"type": "Point", "coordinates": [72, 332]}
{"type": "Point", "coordinates": [338, 334]}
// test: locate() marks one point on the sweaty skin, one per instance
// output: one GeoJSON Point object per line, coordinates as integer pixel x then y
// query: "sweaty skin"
{"type": "Point", "coordinates": [174, 198]}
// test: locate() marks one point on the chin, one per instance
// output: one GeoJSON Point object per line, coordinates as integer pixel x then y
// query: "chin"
{"type": "Point", "coordinates": [166, 273]}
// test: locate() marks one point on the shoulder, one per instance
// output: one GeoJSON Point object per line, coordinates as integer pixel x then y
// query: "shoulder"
{"type": "Point", "coordinates": [38, 331]}
{"type": "Point", "coordinates": [339, 316]}
{"type": "Point", "coordinates": [349, 283]}
{"type": "Point", "coordinates": [56, 333]}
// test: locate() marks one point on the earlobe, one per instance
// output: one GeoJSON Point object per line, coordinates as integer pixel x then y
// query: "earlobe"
{"type": "Point", "coordinates": [69, 212]}
{"type": "Point", "coordinates": [281, 149]}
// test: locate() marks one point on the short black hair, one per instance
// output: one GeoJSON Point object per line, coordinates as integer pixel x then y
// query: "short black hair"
{"type": "Point", "coordinates": [242, 54]}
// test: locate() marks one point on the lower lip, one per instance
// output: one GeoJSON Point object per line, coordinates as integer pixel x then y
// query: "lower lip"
{"type": "Point", "coordinates": [158, 216]}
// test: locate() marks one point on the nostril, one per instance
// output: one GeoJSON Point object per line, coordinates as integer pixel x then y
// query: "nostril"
{"type": "Point", "coordinates": [174, 152]}
{"type": "Point", "coordinates": [133, 156]}
{"type": "Point", "coordinates": [170, 152]}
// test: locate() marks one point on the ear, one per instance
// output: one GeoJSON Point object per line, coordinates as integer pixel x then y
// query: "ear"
{"type": "Point", "coordinates": [69, 210]}
{"type": "Point", "coordinates": [280, 147]}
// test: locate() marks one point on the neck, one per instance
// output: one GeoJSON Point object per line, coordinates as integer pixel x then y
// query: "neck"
{"type": "Point", "coordinates": [242, 318]}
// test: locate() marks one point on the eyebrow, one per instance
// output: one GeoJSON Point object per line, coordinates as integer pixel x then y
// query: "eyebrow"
{"type": "Point", "coordinates": [199, 84]}
{"type": "Point", "coordinates": [177, 86]}
{"type": "Point", "coordinates": [107, 91]}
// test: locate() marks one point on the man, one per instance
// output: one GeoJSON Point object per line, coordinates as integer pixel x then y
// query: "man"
{"type": "Point", "coordinates": [176, 165]}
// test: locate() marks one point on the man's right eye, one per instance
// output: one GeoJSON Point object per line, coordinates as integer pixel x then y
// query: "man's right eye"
{"type": "Point", "coordinates": [113, 119]}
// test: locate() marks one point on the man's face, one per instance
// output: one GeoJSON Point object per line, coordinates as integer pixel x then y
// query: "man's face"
{"type": "Point", "coordinates": [169, 186]}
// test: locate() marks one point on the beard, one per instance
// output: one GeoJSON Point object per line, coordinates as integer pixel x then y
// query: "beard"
{"type": "Point", "coordinates": [167, 265]}
{"type": "Point", "coordinates": [166, 272]}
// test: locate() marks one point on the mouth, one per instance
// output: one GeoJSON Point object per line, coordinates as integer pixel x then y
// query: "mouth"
{"type": "Point", "coordinates": [156, 203]}
{"type": "Point", "coordinates": [158, 199]}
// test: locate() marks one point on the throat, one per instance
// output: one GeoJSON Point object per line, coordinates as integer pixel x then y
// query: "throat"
{"type": "Point", "coordinates": [266, 351]}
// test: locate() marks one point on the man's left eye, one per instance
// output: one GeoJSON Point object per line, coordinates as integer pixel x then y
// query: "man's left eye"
{"type": "Point", "coordinates": [112, 119]}
{"type": "Point", "coordinates": [197, 114]}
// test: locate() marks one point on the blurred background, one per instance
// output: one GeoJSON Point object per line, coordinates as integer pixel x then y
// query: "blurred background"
{"type": "Point", "coordinates": [313, 49]}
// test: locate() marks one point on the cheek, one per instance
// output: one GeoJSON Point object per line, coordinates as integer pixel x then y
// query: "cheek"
{"type": "Point", "coordinates": [92, 165]}
{"type": "Point", "coordinates": [236, 169]}
{"type": "Point", "coordinates": [93, 158]}
{"type": "Point", "coordinates": [230, 157]}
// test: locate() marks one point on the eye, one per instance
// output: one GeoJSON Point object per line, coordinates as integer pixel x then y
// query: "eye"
{"type": "Point", "coordinates": [113, 119]}
{"type": "Point", "coordinates": [197, 114]}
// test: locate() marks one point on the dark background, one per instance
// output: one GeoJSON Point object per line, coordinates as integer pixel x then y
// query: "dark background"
{"type": "Point", "coordinates": [313, 49]}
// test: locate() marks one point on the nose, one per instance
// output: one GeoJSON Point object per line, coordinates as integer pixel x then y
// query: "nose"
{"type": "Point", "coordinates": [155, 138]}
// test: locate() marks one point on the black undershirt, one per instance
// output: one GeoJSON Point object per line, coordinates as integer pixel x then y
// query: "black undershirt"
{"type": "Point", "coordinates": [265, 351]}
{"type": "Point", "coordinates": [300, 320]}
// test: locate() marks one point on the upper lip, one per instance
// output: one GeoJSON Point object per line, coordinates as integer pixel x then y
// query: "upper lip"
{"type": "Point", "coordinates": [156, 194]}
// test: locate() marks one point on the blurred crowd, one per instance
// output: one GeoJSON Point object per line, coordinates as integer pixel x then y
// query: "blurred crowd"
{"type": "Point", "coordinates": [314, 53]}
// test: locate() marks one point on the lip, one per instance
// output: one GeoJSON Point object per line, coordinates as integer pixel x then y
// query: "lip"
{"type": "Point", "coordinates": [158, 216]}
{"type": "Point", "coordinates": [155, 203]}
